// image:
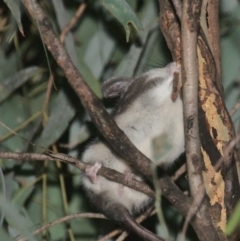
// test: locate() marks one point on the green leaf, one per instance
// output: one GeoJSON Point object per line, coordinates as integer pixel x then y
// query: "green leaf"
{"type": "Point", "coordinates": [15, 10]}
{"type": "Point", "coordinates": [9, 85]}
{"type": "Point", "coordinates": [234, 220]}
{"type": "Point", "coordinates": [4, 236]}
{"type": "Point", "coordinates": [61, 114]}
{"type": "Point", "coordinates": [131, 60]}
{"type": "Point", "coordinates": [123, 12]}
{"type": "Point", "coordinates": [13, 114]}
{"type": "Point", "coordinates": [99, 53]}
{"type": "Point", "coordinates": [24, 192]}
{"type": "Point", "coordinates": [86, 68]}
{"type": "Point", "coordinates": [15, 219]}
{"type": "Point", "coordinates": [6, 61]}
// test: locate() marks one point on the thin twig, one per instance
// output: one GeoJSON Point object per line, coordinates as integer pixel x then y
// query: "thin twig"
{"type": "Point", "coordinates": [179, 172]}
{"type": "Point", "coordinates": [111, 235]}
{"type": "Point", "coordinates": [20, 127]}
{"type": "Point", "coordinates": [73, 21]}
{"type": "Point", "coordinates": [48, 94]}
{"type": "Point", "coordinates": [64, 219]}
{"type": "Point", "coordinates": [226, 152]}
{"type": "Point", "coordinates": [108, 173]}
{"type": "Point", "coordinates": [235, 108]}
{"type": "Point", "coordinates": [193, 210]}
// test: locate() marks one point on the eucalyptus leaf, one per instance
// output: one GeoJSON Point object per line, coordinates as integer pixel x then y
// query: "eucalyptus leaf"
{"type": "Point", "coordinates": [9, 85]}
{"type": "Point", "coordinates": [15, 10]}
{"type": "Point", "coordinates": [3, 191]}
{"type": "Point", "coordinates": [15, 219]}
{"type": "Point", "coordinates": [12, 115]}
{"type": "Point", "coordinates": [97, 52]}
{"type": "Point", "coordinates": [4, 235]}
{"type": "Point", "coordinates": [55, 211]}
{"type": "Point", "coordinates": [78, 133]}
{"type": "Point", "coordinates": [131, 59]}
{"type": "Point", "coordinates": [234, 220]}
{"type": "Point", "coordinates": [86, 69]}
{"type": "Point", "coordinates": [121, 10]}
{"type": "Point", "coordinates": [9, 61]}
{"type": "Point", "coordinates": [9, 183]}
{"type": "Point", "coordinates": [61, 114]}
{"type": "Point", "coordinates": [24, 192]}
{"type": "Point", "coordinates": [63, 19]}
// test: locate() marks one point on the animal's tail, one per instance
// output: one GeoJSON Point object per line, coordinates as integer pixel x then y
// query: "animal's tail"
{"type": "Point", "coordinates": [129, 222]}
{"type": "Point", "coordinates": [119, 213]}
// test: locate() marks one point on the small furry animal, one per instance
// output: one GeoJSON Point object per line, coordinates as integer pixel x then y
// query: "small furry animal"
{"type": "Point", "coordinates": [145, 110]}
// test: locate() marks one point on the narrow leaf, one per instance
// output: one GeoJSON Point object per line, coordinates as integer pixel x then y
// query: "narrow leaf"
{"type": "Point", "coordinates": [123, 12]}
{"type": "Point", "coordinates": [13, 5]}
{"type": "Point", "coordinates": [234, 220]}
{"type": "Point", "coordinates": [9, 85]}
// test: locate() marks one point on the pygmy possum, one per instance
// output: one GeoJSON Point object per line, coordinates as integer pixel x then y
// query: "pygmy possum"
{"type": "Point", "coordinates": [145, 110]}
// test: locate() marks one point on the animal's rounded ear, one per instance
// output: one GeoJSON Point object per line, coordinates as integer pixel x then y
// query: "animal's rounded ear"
{"type": "Point", "coordinates": [115, 86]}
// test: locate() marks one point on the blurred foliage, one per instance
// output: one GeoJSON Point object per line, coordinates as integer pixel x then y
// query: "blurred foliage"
{"type": "Point", "coordinates": [31, 193]}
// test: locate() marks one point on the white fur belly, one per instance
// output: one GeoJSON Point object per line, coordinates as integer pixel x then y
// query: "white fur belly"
{"type": "Point", "coordinates": [127, 197]}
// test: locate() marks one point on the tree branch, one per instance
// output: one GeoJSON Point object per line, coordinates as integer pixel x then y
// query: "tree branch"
{"type": "Point", "coordinates": [212, 12]}
{"type": "Point", "coordinates": [108, 173]}
{"type": "Point", "coordinates": [170, 28]}
{"type": "Point", "coordinates": [189, 33]}
{"type": "Point", "coordinates": [201, 222]}
{"type": "Point", "coordinates": [168, 188]}
{"type": "Point", "coordinates": [190, 26]}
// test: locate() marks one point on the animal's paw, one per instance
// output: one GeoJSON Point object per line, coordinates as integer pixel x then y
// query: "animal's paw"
{"type": "Point", "coordinates": [91, 171]}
